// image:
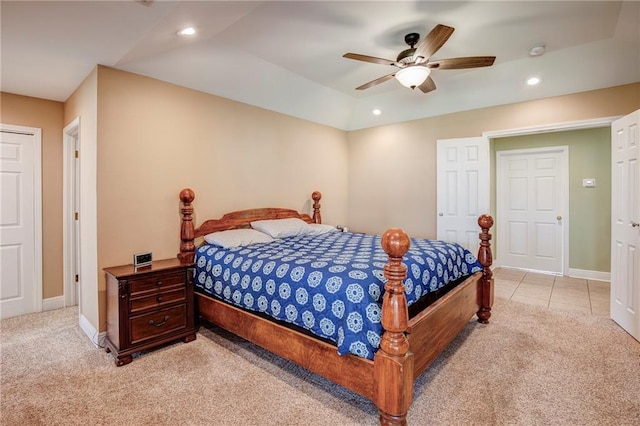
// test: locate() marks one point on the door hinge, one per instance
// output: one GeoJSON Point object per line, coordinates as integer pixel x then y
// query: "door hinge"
{"type": "Point", "coordinates": [76, 215]}
{"type": "Point", "coordinates": [77, 279]}
{"type": "Point", "coordinates": [77, 153]}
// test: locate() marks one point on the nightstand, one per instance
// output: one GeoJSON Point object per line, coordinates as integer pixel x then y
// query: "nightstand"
{"type": "Point", "coordinates": [148, 306]}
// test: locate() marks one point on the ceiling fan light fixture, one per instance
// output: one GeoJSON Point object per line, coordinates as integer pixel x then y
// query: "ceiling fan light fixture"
{"type": "Point", "coordinates": [413, 76]}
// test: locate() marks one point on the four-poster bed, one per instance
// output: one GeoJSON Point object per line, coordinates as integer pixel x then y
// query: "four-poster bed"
{"type": "Point", "coordinates": [410, 338]}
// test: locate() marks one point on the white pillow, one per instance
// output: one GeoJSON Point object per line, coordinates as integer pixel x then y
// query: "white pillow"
{"type": "Point", "coordinates": [237, 238]}
{"type": "Point", "coordinates": [320, 228]}
{"type": "Point", "coordinates": [282, 228]}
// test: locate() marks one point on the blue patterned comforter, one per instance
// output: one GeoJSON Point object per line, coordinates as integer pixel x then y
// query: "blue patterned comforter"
{"type": "Point", "coordinates": [330, 284]}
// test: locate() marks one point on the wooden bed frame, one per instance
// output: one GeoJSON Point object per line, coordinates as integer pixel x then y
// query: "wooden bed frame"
{"type": "Point", "coordinates": [408, 346]}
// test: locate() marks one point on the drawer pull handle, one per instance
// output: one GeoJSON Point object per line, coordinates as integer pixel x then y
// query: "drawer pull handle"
{"type": "Point", "coordinates": [159, 283]}
{"type": "Point", "coordinates": [159, 298]}
{"type": "Point", "coordinates": [161, 323]}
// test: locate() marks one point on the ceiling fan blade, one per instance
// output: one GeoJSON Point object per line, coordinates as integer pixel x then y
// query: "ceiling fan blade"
{"type": "Point", "coordinates": [460, 63]}
{"type": "Point", "coordinates": [432, 42]}
{"type": "Point", "coordinates": [371, 59]}
{"type": "Point", "coordinates": [428, 85]}
{"type": "Point", "coordinates": [376, 81]}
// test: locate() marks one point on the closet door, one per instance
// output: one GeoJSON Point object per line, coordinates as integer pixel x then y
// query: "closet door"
{"type": "Point", "coordinates": [20, 221]}
{"type": "Point", "coordinates": [532, 187]}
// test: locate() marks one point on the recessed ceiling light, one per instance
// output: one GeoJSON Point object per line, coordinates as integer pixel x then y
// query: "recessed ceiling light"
{"type": "Point", "coordinates": [376, 112]}
{"type": "Point", "coordinates": [537, 49]}
{"type": "Point", "coordinates": [533, 80]}
{"type": "Point", "coordinates": [187, 32]}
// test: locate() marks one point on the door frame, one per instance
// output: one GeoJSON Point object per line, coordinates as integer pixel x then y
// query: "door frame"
{"type": "Point", "coordinates": [70, 196]}
{"type": "Point", "coordinates": [564, 152]}
{"type": "Point", "coordinates": [37, 204]}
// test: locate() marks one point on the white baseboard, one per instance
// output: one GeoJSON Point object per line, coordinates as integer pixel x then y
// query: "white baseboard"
{"type": "Point", "coordinates": [52, 303]}
{"type": "Point", "coordinates": [91, 332]}
{"type": "Point", "coordinates": [572, 272]}
{"type": "Point", "coordinates": [590, 275]}
{"type": "Point", "coordinates": [517, 268]}
{"type": "Point", "coordinates": [89, 329]}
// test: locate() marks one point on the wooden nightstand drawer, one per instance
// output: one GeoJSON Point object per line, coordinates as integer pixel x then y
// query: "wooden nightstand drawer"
{"type": "Point", "coordinates": [157, 299]}
{"type": "Point", "coordinates": [156, 281]}
{"type": "Point", "coordinates": [157, 323]}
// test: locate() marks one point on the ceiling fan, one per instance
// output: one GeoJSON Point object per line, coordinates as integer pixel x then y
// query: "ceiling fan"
{"type": "Point", "coordinates": [414, 64]}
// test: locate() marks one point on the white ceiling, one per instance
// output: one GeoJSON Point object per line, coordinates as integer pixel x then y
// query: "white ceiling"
{"type": "Point", "coordinates": [286, 56]}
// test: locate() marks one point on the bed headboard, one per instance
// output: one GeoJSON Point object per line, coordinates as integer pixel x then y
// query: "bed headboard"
{"type": "Point", "coordinates": [233, 220]}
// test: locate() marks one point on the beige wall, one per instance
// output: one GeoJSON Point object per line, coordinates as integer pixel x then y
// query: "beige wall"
{"type": "Point", "coordinates": [46, 115]}
{"type": "Point", "coordinates": [392, 169]}
{"type": "Point", "coordinates": [83, 104]}
{"type": "Point", "coordinates": [143, 140]}
{"type": "Point", "coordinates": [156, 138]}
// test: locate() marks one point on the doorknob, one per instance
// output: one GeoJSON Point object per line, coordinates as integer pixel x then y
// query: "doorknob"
{"type": "Point", "coordinates": [559, 217]}
{"type": "Point", "coordinates": [635, 224]}
{"type": "Point", "coordinates": [440, 214]}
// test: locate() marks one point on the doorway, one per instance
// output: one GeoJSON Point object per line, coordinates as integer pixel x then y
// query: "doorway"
{"type": "Point", "coordinates": [589, 196]}
{"type": "Point", "coordinates": [71, 213]}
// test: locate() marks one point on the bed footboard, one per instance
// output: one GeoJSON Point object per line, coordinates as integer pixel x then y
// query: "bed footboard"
{"type": "Point", "coordinates": [395, 365]}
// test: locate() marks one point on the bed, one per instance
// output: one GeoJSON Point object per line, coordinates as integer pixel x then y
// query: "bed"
{"type": "Point", "coordinates": [410, 337]}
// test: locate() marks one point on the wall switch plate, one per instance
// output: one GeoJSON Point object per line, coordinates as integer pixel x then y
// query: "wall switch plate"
{"type": "Point", "coordinates": [589, 183]}
{"type": "Point", "coordinates": [142, 259]}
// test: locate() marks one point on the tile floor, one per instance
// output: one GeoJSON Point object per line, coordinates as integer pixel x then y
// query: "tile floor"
{"type": "Point", "coordinates": [553, 292]}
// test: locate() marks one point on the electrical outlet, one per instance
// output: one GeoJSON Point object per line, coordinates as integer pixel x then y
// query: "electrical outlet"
{"type": "Point", "coordinates": [589, 183]}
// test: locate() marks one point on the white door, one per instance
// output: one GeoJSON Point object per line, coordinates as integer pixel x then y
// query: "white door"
{"type": "Point", "coordinates": [462, 189]}
{"type": "Point", "coordinates": [532, 207]}
{"type": "Point", "coordinates": [625, 229]}
{"type": "Point", "coordinates": [20, 255]}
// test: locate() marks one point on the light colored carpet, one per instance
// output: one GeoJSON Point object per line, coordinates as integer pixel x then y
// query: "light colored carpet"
{"type": "Point", "coordinates": [528, 367]}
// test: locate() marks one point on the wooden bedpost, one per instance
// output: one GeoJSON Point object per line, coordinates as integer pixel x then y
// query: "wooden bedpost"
{"type": "Point", "coordinates": [393, 363]}
{"type": "Point", "coordinates": [187, 246]}
{"type": "Point", "coordinates": [316, 206]}
{"type": "Point", "coordinates": [485, 257]}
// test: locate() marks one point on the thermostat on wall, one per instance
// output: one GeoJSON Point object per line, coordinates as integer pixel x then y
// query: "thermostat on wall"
{"type": "Point", "coordinates": [142, 259]}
